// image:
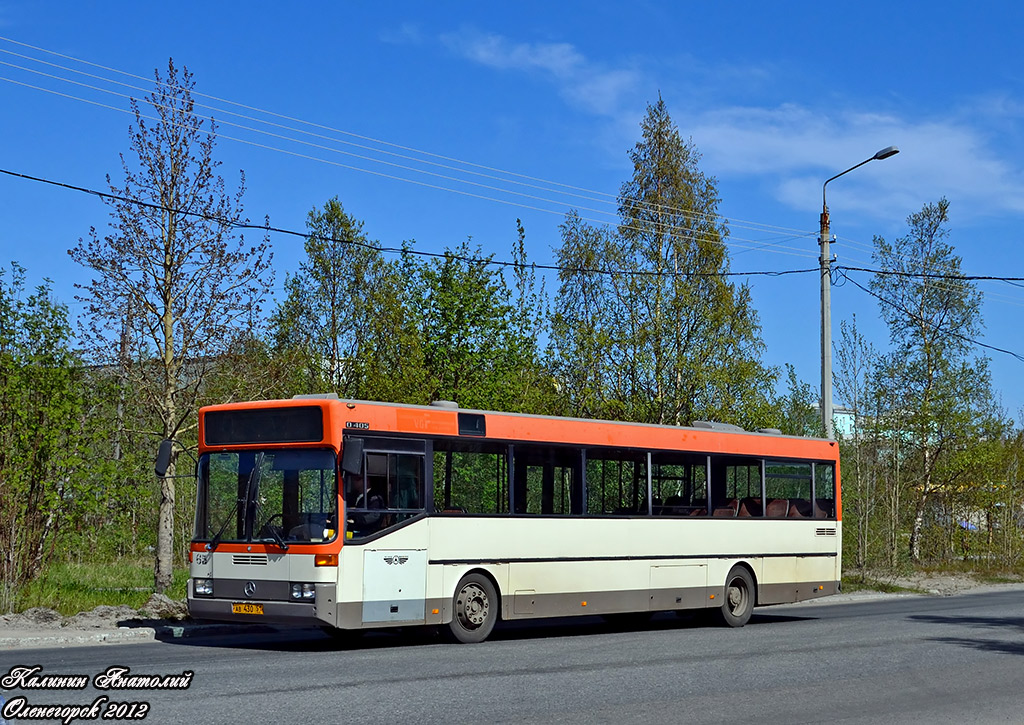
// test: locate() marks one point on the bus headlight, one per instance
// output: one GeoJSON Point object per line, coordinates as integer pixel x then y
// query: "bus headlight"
{"type": "Point", "coordinates": [303, 591]}
{"type": "Point", "coordinates": [202, 587]}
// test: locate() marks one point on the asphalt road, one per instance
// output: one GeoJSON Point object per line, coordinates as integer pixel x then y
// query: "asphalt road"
{"type": "Point", "coordinates": [909, 659]}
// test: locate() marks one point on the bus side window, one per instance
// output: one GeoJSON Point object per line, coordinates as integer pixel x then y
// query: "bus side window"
{"type": "Point", "coordinates": [788, 489]}
{"type": "Point", "coordinates": [616, 482]}
{"type": "Point", "coordinates": [679, 480]}
{"type": "Point", "coordinates": [389, 490]}
{"type": "Point", "coordinates": [406, 481]}
{"type": "Point", "coordinates": [824, 491]}
{"type": "Point", "coordinates": [470, 477]}
{"type": "Point", "coordinates": [736, 486]}
{"type": "Point", "coordinates": [547, 480]}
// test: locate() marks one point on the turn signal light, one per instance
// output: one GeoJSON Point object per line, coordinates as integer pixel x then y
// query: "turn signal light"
{"type": "Point", "coordinates": [326, 560]}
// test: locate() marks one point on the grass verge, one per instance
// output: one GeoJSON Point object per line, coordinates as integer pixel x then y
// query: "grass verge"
{"type": "Point", "coordinates": [70, 588]}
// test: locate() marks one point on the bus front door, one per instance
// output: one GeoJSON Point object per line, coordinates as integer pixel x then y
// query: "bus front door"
{"type": "Point", "coordinates": [394, 586]}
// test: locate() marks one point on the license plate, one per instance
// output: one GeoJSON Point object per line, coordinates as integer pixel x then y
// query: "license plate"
{"type": "Point", "coordinates": [246, 608]}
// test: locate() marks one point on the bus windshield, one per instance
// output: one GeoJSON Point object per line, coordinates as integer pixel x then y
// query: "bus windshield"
{"type": "Point", "coordinates": [274, 496]}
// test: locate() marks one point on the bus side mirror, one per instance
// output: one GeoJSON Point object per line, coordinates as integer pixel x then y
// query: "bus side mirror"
{"type": "Point", "coordinates": [163, 457]}
{"type": "Point", "coordinates": [352, 456]}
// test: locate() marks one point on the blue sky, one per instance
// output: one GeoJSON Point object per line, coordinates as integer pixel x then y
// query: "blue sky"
{"type": "Point", "coordinates": [544, 100]}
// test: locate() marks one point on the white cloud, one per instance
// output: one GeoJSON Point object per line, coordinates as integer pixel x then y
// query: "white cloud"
{"type": "Point", "coordinates": [802, 147]}
{"type": "Point", "coordinates": [583, 83]}
{"type": "Point", "coordinates": [559, 59]}
{"type": "Point", "coordinates": [790, 148]}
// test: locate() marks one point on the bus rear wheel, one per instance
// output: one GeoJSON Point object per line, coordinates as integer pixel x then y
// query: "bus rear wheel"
{"type": "Point", "coordinates": [474, 609]}
{"type": "Point", "coordinates": [739, 598]}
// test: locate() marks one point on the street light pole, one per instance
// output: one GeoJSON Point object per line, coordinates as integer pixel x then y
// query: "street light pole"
{"type": "Point", "coordinates": [826, 296]}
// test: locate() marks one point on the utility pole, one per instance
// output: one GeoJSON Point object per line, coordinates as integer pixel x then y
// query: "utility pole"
{"type": "Point", "coordinates": [826, 296]}
{"type": "Point", "coordinates": [826, 319]}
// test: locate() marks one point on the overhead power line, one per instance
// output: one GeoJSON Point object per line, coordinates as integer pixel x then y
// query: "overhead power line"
{"type": "Point", "coordinates": [840, 270]}
{"type": "Point", "coordinates": [611, 198]}
{"type": "Point", "coordinates": [933, 275]}
{"type": "Point", "coordinates": [452, 164]}
{"type": "Point", "coordinates": [395, 250]}
{"type": "Point", "coordinates": [607, 198]}
{"type": "Point", "coordinates": [896, 306]}
{"type": "Point", "coordinates": [743, 243]}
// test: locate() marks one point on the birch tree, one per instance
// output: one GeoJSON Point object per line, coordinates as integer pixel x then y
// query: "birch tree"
{"type": "Point", "coordinates": [674, 339]}
{"type": "Point", "coordinates": [939, 392]}
{"type": "Point", "coordinates": [173, 278]}
{"type": "Point", "coordinates": [325, 318]}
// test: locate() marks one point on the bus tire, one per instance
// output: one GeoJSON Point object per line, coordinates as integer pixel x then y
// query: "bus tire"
{"type": "Point", "coordinates": [474, 609]}
{"type": "Point", "coordinates": [739, 598]}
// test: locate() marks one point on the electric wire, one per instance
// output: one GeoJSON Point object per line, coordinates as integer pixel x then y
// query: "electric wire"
{"type": "Point", "coordinates": [1001, 297]}
{"type": "Point", "coordinates": [920, 319]}
{"type": "Point", "coordinates": [758, 244]}
{"type": "Point", "coordinates": [744, 244]}
{"type": "Point", "coordinates": [839, 270]}
{"type": "Point", "coordinates": [613, 198]}
{"type": "Point", "coordinates": [740, 242]}
{"type": "Point", "coordinates": [399, 250]}
{"type": "Point", "coordinates": [686, 213]}
{"type": "Point", "coordinates": [610, 198]}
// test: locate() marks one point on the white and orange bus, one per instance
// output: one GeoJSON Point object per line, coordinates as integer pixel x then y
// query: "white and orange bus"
{"type": "Point", "coordinates": [353, 515]}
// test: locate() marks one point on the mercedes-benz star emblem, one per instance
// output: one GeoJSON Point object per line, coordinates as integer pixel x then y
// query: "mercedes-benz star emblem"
{"type": "Point", "coordinates": [250, 589]}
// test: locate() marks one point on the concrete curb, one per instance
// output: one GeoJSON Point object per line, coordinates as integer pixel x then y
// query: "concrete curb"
{"type": "Point", "coordinates": [12, 639]}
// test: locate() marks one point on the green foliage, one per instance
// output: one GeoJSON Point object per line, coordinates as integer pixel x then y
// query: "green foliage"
{"type": "Point", "coordinates": [930, 474]}
{"type": "Point", "coordinates": [940, 397]}
{"type": "Point", "coordinates": [392, 355]}
{"type": "Point", "coordinates": [407, 330]}
{"type": "Point", "coordinates": [798, 409]}
{"type": "Point", "coordinates": [49, 480]}
{"type": "Point", "coordinates": [478, 348]}
{"type": "Point", "coordinates": [251, 369]}
{"type": "Point", "coordinates": [324, 321]}
{"type": "Point", "coordinates": [75, 586]}
{"type": "Point", "coordinates": [662, 336]}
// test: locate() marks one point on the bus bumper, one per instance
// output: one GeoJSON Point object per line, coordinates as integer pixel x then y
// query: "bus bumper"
{"type": "Point", "coordinates": [297, 613]}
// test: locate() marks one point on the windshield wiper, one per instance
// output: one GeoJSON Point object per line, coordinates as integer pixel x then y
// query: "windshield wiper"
{"type": "Point", "coordinates": [277, 539]}
{"type": "Point", "coordinates": [215, 541]}
{"type": "Point", "coordinates": [271, 530]}
{"type": "Point", "coordinates": [253, 499]}
{"type": "Point", "coordinates": [254, 477]}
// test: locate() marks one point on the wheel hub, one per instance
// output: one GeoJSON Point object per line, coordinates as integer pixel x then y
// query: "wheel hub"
{"type": "Point", "coordinates": [473, 606]}
{"type": "Point", "coordinates": [735, 597]}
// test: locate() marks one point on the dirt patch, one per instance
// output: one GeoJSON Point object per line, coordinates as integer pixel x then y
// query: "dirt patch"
{"type": "Point", "coordinates": [159, 608]}
{"type": "Point", "coordinates": [35, 618]}
{"type": "Point", "coordinates": [935, 583]}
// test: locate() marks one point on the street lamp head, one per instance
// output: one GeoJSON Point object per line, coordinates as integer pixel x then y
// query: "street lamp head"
{"type": "Point", "coordinates": [885, 153]}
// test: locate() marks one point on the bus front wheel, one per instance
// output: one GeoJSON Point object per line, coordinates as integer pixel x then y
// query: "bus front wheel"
{"type": "Point", "coordinates": [474, 609]}
{"type": "Point", "coordinates": [739, 598]}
